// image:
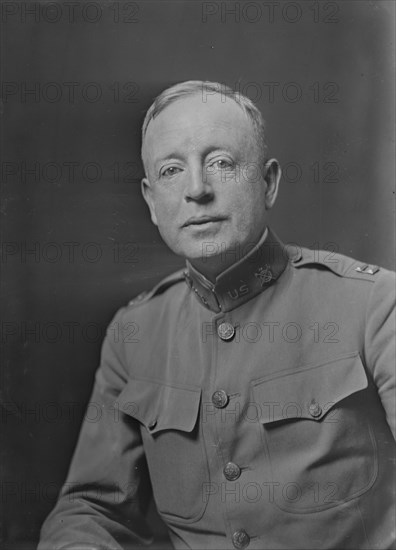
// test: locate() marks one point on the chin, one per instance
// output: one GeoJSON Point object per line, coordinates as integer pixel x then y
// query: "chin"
{"type": "Point", "coordinates": [203, 251]}
{"type": "Point", "coordinates": [203, 248]}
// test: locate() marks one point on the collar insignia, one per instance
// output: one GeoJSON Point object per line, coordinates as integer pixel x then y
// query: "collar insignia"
{"type": "Point", "coordinates": [248, 277]}
{"type": "Point", "coordinates": [264, 274]}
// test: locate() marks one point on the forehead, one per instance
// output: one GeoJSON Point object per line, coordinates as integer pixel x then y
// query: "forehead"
{"type": "Point", "coordinates": [191, 122]}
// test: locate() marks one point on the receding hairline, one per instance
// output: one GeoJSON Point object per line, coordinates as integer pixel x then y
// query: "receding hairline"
{"type": "Point", "coordinates": [190, 88]}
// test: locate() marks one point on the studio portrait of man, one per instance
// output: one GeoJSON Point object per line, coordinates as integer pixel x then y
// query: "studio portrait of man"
{"type": "Point", "coordinates": [245, 398]}
{"type": "Point", "coordinates": [211, 412]}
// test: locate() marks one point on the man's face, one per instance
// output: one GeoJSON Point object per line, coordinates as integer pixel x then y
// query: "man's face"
{"type": "Point", "coordinates": [206, 186]}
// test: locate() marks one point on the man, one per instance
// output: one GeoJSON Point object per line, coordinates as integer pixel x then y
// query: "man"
{"type": "Point", "coordinates": [253, 392]}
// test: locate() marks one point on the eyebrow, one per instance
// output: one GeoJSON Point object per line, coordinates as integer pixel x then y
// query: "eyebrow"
{"type": "Point", "coordinates": [209, 149]}
{"type": "Point", "coordinates": [170, 156]}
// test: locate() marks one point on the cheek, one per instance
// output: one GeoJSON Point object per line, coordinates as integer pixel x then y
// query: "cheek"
{"type": "Point", "coordinates": [253, 173]}
{"type": "Point", "coordinates": [164, 220]}
{"type": "Point", "coordinates": [247, 196]}
{"type": "Point", "coordinates": [166, 212]}
{"type": "Point", "coordinates": [249, 205]}
{"type": "Point", "coordinates": [164, 205]}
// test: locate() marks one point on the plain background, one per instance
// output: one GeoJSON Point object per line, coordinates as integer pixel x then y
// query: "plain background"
{"type": "Point", "coordinates": [322, 73]}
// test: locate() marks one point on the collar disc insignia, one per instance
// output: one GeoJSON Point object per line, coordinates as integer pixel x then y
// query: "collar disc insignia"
{"type": "Point", "coordinates": [264, 274]}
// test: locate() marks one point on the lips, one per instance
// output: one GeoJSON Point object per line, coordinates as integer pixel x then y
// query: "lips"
{"type": "Point", "coordinates": [201, 220]}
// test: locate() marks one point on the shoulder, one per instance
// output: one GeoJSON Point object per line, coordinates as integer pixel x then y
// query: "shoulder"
{"type": "Point", "coordinates": [141, 301]}
{"type": "Point", "coordinates": [304, 259]}
{"type": "Point", "coordinates": [144, 297]}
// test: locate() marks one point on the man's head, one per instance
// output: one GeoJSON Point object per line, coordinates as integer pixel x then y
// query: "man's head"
{"type": "Point", "coordinates": [208, 184]}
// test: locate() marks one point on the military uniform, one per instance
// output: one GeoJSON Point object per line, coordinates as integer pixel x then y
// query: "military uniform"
{"type": "Point", "coordinates": [260, 410]}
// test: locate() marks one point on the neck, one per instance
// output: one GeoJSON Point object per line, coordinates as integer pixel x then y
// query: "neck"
{"type": "Point", "coordinates": [214, 266]}
{"type": "Point", "coordinates": [252, 274]}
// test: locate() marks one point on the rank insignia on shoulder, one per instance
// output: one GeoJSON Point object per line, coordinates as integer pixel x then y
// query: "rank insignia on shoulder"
{"type": "Point", "coordinates": [366, 268]}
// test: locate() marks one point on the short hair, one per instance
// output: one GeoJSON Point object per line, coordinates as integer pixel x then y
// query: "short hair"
{"type": "Point", "coordinates": [205, 88]}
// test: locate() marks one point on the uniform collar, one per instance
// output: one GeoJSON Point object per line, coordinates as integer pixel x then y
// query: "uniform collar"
{"type": "Point", "coordinates": [252, 274]}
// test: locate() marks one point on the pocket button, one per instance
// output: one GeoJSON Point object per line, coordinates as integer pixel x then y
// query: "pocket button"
{"type": "Point", "coordinates": [240, 539]}
{"type": "Point", "coordinates": [231, 471]}
{"type": "Point", "coordinates": [315, 409]}
{"type": "Point", "coordinates": [220, 399]}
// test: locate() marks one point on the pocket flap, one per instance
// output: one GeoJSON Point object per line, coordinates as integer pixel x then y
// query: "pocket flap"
{"type": "Point", "coordinates": [159, 406]}
{"type": "Point", "coordinates": [310, 391]}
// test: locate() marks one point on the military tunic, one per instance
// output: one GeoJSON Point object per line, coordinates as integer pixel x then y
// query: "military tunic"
{"type": "Point", "coordinates": [259, 410]}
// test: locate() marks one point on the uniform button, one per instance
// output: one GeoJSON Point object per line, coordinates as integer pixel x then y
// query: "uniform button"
{"type": "Point", "coordinates": [231, 471]}
{"type": "Point", "coordinates": [315, 409]}
{"type": "Point", "coordinates": [240, 539]}
{"type": "Point", "coordinates": [219, 399]}
{"type": "Point", "coordinates": [225, 331]}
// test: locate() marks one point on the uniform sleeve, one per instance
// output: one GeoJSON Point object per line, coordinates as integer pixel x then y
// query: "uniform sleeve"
{"type": "Point", "coordinates": [380, 342]}
{"type": "Point", "coordinates": [103, 502]}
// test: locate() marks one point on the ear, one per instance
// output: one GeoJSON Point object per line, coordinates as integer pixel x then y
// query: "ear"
{"type": "Point", "coordinates": [147, 193]}
{"type": "Point", "coordinates": [272, 176]}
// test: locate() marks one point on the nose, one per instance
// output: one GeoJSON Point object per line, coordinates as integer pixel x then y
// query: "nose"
{"type": "Point", "coordinates": [198, 188]}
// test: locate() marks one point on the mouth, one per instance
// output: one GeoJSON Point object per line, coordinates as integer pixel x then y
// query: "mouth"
{"type": "Point", "coordinates": [203, 220]}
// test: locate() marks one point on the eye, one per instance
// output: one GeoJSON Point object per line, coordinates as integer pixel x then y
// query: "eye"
{"type": "Point", "coordinates": [222, 164]}
{"type": "Point", "coordinates": [170, 171]}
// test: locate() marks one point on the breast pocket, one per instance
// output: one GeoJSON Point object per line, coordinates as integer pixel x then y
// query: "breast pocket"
{"type": "Point", "coordinates": [315, 429]}
{"type": "Point", "coordinates": [172, 443]}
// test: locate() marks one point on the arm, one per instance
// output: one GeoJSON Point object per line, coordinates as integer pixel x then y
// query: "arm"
{"type": "Point", "coordinates": [380, 342]}
{"type": "Point", "coordinates": [103, 501]}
